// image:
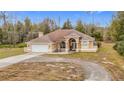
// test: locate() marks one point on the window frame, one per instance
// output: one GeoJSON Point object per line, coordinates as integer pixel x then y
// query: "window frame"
{"type": "Point", "coordinates": [62, 44]}
{"type": "Point", "coordinates": [85, 44]}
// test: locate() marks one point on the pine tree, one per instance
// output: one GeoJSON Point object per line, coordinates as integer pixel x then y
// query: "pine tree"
{"type": "Point", "coordinates": [19, 26]}
{"type": "Point", "coordinates": [67, 25]}
{"type": "Point", "coordinates": [28, 25]}
{"type": "Point", "coordinates": [80, 27]}
{"type": "Point", "coordinates": [117, 26]}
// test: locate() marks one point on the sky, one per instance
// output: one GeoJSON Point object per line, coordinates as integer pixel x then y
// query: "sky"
{"type": "Point", "coordinates": [101, 18]}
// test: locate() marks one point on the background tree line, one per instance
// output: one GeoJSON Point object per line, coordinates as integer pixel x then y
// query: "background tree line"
{"type": "Point", "coordinates": [116, 32]}
{"type": "Point", "coordinates": [18, 31]}
{"type": "Point", "coordinates": [15, 32]}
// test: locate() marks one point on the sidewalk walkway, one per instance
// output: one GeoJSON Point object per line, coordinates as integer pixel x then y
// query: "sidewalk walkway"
{"type": "Point", "coordinates": [15, 59]}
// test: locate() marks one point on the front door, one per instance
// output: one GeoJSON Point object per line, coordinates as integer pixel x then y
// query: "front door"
{"type": "Point", "coordinates": [73, 45]}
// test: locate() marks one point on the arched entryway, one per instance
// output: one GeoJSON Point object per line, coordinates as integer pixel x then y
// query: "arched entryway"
{"type": "Point", "coordinates": [72, 44]}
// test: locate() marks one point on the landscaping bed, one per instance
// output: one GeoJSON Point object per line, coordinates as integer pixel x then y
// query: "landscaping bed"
{"type": "Point", "coordinates": [42, 71]}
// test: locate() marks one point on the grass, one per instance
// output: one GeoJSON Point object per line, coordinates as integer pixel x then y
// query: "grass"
{"type": "Point", "coordinates": [106, 56]}
{"type": "Point", "coordinates": [7, 52]}
{"type": "Point", "coordinates": [42, 71]}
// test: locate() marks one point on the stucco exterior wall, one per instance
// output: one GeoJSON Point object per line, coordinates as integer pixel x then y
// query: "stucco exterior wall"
{"type": "Point", "coordinates": [54, 47]}
{"type": "Point", "coordinates": [90, 44]}
{"type": "Point", "coordinates": [89, 48]}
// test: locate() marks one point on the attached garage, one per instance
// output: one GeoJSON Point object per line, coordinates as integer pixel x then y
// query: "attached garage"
{"type": "Point", "coordinates": [40, 48]}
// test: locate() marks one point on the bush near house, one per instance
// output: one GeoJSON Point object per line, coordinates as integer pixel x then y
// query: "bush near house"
{"type": "Point", "coordinates": [21, 45]}
{"type": "Point", "coordinates": [99, 44]}
{"type": "Point", "coordinates": [121, 38]}
{"type": "Point", "coordinates": [119, 47]}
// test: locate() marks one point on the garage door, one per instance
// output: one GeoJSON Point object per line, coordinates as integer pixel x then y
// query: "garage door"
{"type": "Point", "coordinates": [39, 48]}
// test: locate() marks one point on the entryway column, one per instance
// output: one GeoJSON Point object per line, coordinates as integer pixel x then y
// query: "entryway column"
{"type": "Point", "coordinates": [67, 46]}
{"type": "Point", "coordinates": [77, 43]}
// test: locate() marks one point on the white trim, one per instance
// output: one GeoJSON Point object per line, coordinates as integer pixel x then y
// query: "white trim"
{"type": "Point", "coordinates": [89, 50]}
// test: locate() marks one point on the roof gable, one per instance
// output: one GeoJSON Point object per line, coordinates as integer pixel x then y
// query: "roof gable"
{"type": "Point", "coordinates": [72, 35]}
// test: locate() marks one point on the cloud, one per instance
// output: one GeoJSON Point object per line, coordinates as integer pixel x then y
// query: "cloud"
{"type": "Point", "coordinates": [92, 12]}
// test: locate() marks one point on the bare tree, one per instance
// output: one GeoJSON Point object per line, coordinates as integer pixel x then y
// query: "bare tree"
{"type": "Point", "coordinates": [4, 17]}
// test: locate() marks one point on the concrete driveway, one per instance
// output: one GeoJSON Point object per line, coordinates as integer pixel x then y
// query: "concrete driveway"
{"type": "Point", "coordinates": [15, 59]}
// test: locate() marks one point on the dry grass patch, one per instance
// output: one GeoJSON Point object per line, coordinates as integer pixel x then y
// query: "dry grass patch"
{"type": "Point", "coordinates": [117, 73]}
{"type": "Point", "coordinates": [42, 71]}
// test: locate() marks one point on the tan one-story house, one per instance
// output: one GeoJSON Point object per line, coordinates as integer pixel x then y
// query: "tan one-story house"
{"type": "Point", "coordinates": [62, 40]}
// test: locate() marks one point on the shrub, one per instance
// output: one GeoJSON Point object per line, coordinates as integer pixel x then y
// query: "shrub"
{"type": "Point", "coordinates": [4, 46]}
{"type": "Point", "coordinates": [98, 36]}
{"type": "Point", "coordinates": [121, 38]}
{"type": "Point", "coordinates": [99, 44]}
{"type": "Point", "coordinates": [115, 46]}
{"type": "Point", "coordinates": [21, 45]}
{"type": "Point", "coordinates": [119, 46]}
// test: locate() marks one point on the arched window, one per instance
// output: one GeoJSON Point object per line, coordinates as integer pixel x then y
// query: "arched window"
{"type": "Point", "coordinates": [73, 40]}
{"type": "Point", "coordinates": [62, 44]}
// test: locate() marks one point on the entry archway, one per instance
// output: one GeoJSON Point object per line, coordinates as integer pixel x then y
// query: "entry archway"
{"type": "Point", "coordinates": [72, 44]}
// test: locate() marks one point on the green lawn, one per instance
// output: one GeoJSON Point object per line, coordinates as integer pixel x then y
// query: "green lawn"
{"type": "Point", "coordinates": [7, 52]}
{"type": "Point", "coordinates": [106, 56]}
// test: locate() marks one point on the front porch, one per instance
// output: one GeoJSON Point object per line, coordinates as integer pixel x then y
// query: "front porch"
{"type": "Point", "coordinates": [71, 45]}
{"type": "Point", "coordinates": [68, 46]}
